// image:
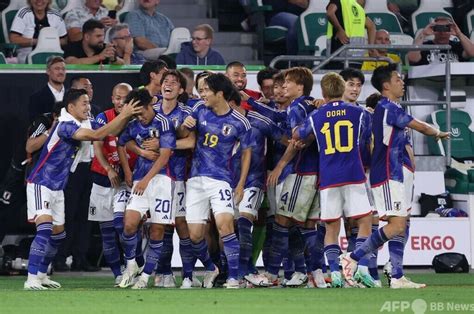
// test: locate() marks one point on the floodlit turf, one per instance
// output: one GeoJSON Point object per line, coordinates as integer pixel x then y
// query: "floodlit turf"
{"type": "Point", "coordinates": [95, 295]}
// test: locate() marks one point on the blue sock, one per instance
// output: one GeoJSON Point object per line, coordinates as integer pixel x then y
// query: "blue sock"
{"type": "Point", "coordinates": [223, 262]}
{"type": "Point", "coordinates": [364, 261]}
{"type": "Point", "coordinates": [311, 237]}
{"type": "Point", "coordinates": [288, 266]}
{"type": "Point", "coordinates": [201, 252]}
{"type": "Point", "coordinates": [351, 241]}
{"type": "Point", "coordinates": [320, 247]}
{"type": "Point", "coordinates": [129, 245]}
{"type": "Point", "coordinates": [110, 247]}
{"type": "Point", "coordinates": [396, 248]}
{"type": "Point", "coordinates": [279, 248]}
{"type": "Point", "coordinates": [164, 263]}
{"type": "Point", "coordinates": [332, 254]}
{"type": "Point", "coordinates": [187, 257]}
{"type": "Point", "coordinates": [38, 246]}
{"type": "Point", "coordinates": [268, 242]}
{"type": "Point", "coordinates": [373, 267]}
{"type": "Point", "coordinates": [152, 255]}
{"type": "Point", "coordinates": [296, 249]}
{"type": "Point", "coordinates": [139, 250]}
{"type": "Point", "coordinates": [372, 243]}
{"type": "Point", "coordinates": [245, 240]}
{"type": "Point", "coordinates": [232, 249]}
{"type": "Point", "coordinates": [118, 222]}
{"type": "Point", "coordinates": [51, 250]}
{"type": "Point", "coordinates": [251, 267]}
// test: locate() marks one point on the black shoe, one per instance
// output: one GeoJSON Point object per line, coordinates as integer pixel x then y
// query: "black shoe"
{"type": "Point", "coordinates": [84, 266]}
{"type": "Point", "coordinates": [60, 267]}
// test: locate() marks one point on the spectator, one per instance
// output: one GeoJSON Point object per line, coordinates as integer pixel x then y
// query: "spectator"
{"type": "Point", "coordinates": [150, 76]}
{"type": "Point", "coordinates": [237, 73]}
{"type": "Point", "coordinates": [119, 36]}
{"type": "Point", "coordinates": [442, 28]}
{"type": "Point", "coordinates": [382, 37]}
{"type": "Point", "coordinates": [90, 9]}
{"type": "Point", "coordinates": [265, 81]}
{"type": "Point", "coordinates": [150, 29]}
{"type": "Point", "coordinates": [29, 21]}
{"type": "Point", "coordinates": [82, 82]}
{"type": "Point", "coordinates": [91, 49]}
{"type": "Point", "coordinates": [342, 12]}
{"type": "Point", "coordinates": [43, 100]}
{"type": "Point", "coordinates": [199, 51]}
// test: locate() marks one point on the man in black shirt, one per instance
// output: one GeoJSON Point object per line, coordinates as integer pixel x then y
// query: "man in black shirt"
{"type": "Point", "coordinates": [91, 49]}
{"type": "Point", "coordinates": [442, 28]}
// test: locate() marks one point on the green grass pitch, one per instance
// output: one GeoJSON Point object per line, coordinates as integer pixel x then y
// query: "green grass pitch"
{"type": "Point", "coordinates": [89, 294]}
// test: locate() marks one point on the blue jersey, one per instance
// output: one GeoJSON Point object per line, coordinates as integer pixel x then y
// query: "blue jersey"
{"type": "Point", "coordinates": [218, 138]}
{"type": "Point", "coordinates": [306, 161]}
{"type": "Point", "coordinates": [160, 127]}
{"type": "Point", "coordinates": [337, 127]}
{"type": "Point", "coordinates": [268, 111]}
{"type": "Point", "coordinates": [366, 139]}
{"type": "Point", "coordinates": [179, 158]}
{"type": "Point", "coordinates": [388, 127]}
{"type": "Point", "coordinates": [406, 157]}
{"type": "Point", "coordinates": [262, 128]}
{"type": "Point", "coordinates": [57, 156]}
{"type": "Point", "coordinates": [193, 102]}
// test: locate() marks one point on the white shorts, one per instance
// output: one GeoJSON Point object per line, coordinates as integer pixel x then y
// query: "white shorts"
{"type": "Point", "coordinates": [350, 200]}
{"type": "Point", "coordinates": [409, 184]}
{"type": "Point", "coordinates": [299, 198]}
{"type": "Point", "coordinates": [158, 198]}
{"type": "Point", "coordinates": [204, 193]}
{"type": "Point", "coordinates": [273, 195]}
{"type": "Point", "coordinates": [390, 199]}
{"type": "Point", "coordinates": [180, 197]}
{"type": "Point", "coordinates": [121, 196]}
{"type": "Point", "coordinates": [43, 201]}
{"type": "Point", "coordinates": [101, 203]}
{"type": "Point", "coordinates": [251, 202]}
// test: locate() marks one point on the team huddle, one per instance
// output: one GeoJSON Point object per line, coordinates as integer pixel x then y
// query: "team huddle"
{"type": "Point", "coordinates": [210, 164]}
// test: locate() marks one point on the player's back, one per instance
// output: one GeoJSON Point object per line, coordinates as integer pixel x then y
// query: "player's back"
{"type": "Point", "coordinates": [338, 126]}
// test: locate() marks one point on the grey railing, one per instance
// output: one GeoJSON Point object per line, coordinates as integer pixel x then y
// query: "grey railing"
{"type": "Point", "coordinates": [335, 57]}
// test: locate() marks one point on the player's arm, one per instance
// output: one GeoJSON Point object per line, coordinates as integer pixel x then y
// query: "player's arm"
{"type": "Point", "coordinates": [147, 154]}
{"type": "Point", "coordinates": [165, 154]}
{"type": "Point", "coordinates": [288, 156]}
{"type": "Point", "coordinates": [113, 127]}
{"type": "Point", "coordinates": [122, 153]}
{"type": "Point", "coordinates": [111, 173]}
{"type": "Point", "coordinates": [267, 111]}
{"type": "Point", "coordinates": [189, 142]}
{"type": "Point", "coordinates": [427, 129]}
{"type": "Point", "coordinates": [35, 143]}
{"type": "Point", "coordinates": [411, 154]}
{"type": "Point", "coordinates": [244, 171]}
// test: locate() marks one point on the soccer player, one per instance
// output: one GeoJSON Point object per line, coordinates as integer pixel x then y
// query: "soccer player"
{"type": "Point", "coordinates": [219, 129]}
{"type": "Point", "coordinates": [386, 174]}
{"type": "Point", "coordinates": [150, 75]}
{"type": "Point", "coordinates": [153, 188]}
{"type": "Point", "coordinates": [45, 197]}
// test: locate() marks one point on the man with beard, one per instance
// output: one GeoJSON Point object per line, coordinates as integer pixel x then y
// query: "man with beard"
{"type": "Point", "coordinates": [237, 73]}
{"type": "Point", "coordinates": [91, 49]}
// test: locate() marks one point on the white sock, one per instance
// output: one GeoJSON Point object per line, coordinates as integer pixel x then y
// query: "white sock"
{"type": "Point", "coordinates": [41, 275]}
{"type": "Point", "coordinates": [131, 263]}
{"type": "Point", "coordinates": [363, 269]}
{"type": "Point", "coordinates": [32, 277]}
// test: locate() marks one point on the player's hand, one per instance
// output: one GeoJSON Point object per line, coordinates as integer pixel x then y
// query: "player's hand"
{"type": "Point", "coordinates": [442, 136]}
{"type": "Point", "coordinates": [113, 177]}
{"type": "Point", "coordinates": [131, 109]}
{"type": "Point", "coordinates": [370, 109]}
{"type": "Point", "coordinates": [297, 144]}
{"type": "Point", "coordinates": [152, 144]}
{"type": "Point", "coordinates": [264, 100]}
{"type": "Point", "coordinates": [244, 95]}
{"type": "Point", "coordinates": [128, 178]}
{"type": "Point", "coordinates": [318, 102]}
{"type": "Point", "coordinates": [149, 154]}
{"type": "Point", "coordinates": [273, 177]}
{"type": "Point", "coordinates": [140, 187]}
{"type": "Point", "coordinates": [238, 194]}
{"type": "Point", "coordinates": [189, 122]}
{"type": "Point", "coordinates": [342, 36]}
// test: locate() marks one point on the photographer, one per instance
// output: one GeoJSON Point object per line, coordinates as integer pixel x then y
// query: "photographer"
{"type": "Point", "coordinates": [443, 28]}
{"type": "Point", "coordinates": [92, 49]}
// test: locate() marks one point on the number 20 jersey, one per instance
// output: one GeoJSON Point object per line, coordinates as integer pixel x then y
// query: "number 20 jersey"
{"type": "Point", "coordinates": [337, 127]}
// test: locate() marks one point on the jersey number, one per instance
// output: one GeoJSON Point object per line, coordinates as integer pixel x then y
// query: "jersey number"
{"type": "Point", "coordinates": [210, 140]}
{"type": "Point", "coordinates": [330, 148]}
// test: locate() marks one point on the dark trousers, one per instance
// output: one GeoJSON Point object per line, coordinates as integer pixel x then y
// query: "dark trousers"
{"type": "Point", "coordinates": [78, 228]}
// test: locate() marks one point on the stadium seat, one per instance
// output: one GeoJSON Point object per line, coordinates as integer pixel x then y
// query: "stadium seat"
{"type": "Point", "coordinates": [459, 178]}
{"type": "Point", "coordinates": [178, 36]}
{"type": "Point", "coordinates": [401, 39]}
{"type": "Point", "coordinates": [426, 13]}
{"type": "Point", "coordinates": [48, 45]}
{"type": "Point", "coordinates": [378, 12]}
{"type": "Point", "coordinates": [59, 4]}
{"type": "Point", "coordinates": [470, 22]}
{"type": "Point", "coordinates": [312, 24]}
{"type": "Point", "coordinates": [8, 15]}
{"type": "Point", "coordinates": [2, 58]}
{"type": "Point", "coordinates": [71, 4]}
{"type": "Point", "coordinates": [128, 5]}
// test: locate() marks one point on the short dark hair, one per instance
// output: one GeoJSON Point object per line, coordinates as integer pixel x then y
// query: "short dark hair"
{"type": "Point", "coordinates": [90, 25]}
{"type": "Point", "coordinates": [351, 73]}
{"type": "Point", "coordinates": [169, 61]}
{"type": "Point", "coordinates": [200, 76]}
{"type": "Point", "coordinates": [58, 105]}
{"type": "Point", "coordinates": [53, 60]}
{"type": "Point", "coordinates": [140, 94]}
{"type": "Point", "coordinates": [218, 82]}
{"type": "Point", "coordinates": [279, 78]}
{"type": "Point", "coordinates": [235, 97]}
{"type": "Point", "coordinates": [266, 74]}
{"type": "Point", "coordinates": [72, 95]}
{"type": "Point", "coordinates": [151, 67]}
{"type": "Point", "coordinates": [234, 64]}
{"type": "Point", "coordinates": [381, 75]}
{"type": "Point", "coordinates": [179, 76]}
{"type": "Point", "coordinates": [373, 100]}
{"type": "Point", "coordinates": [187, 72]}
{"type": "Point", "coordinates": [75, 79]}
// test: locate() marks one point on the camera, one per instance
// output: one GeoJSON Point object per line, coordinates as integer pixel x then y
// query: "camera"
{"type": "Point", "coordinates": [112, 14]}
{"type": "Point", "coordinates": [442, 28]}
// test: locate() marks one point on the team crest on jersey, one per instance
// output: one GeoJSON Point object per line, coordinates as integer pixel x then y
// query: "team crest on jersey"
{"type": "Point", "coordinates": [226, 129]}
{"type": "Point", "coordinates": [397, 206]}
{"type": "Point", "coordinates": [153, 132]}
{"type": "Point", "coordinates": [175, 122]}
